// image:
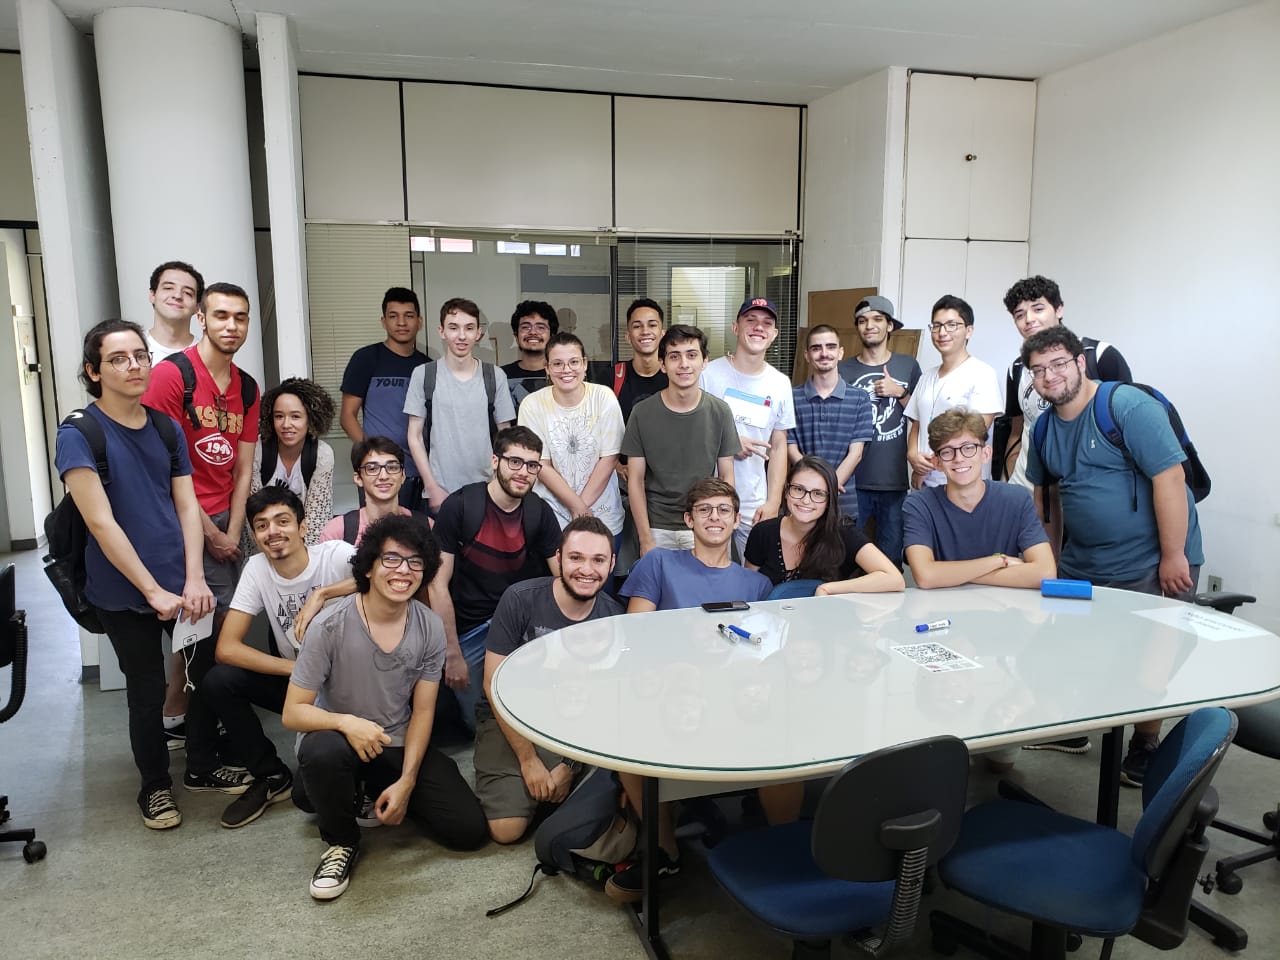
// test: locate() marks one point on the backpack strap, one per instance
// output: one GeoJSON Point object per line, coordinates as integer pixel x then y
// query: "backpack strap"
{"type": "Point", "coordinates": [1038, 434]}
{"type": "Point", "coordinates": [270, 454]}
{"type": "Point", "coordinates": [310, 451]}
{"type": "Point", "coordinates": [351, 525]}
{"type": "Point", "coordinates": [1104, 415]}
{"type": "Point", "coordinates": [491, 394]}
{"type": "Point", "coordinates": [475, 501]}
{"type": "Point", "coordinates": [183, 363]}
{"type": "Point", "coordinates": [619, 376]}
{"type": "Point", "coordinates": [1091, 350]}
{"type": "Point", "coordinates": [94, 435]}
{"type": "Point", "coordinates": [428, 391]}
{"type": "Point", "coordinates": [164, 426]}
{"type": "Point", "coordinates": [248, 390]}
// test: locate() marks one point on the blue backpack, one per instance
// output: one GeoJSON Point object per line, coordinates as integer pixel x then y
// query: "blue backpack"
{"type": "Point", "coordinates": [1104, 415]}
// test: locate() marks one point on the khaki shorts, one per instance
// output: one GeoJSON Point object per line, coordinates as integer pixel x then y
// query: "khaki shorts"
{"type": "Point", "coordinates": [499, 785]}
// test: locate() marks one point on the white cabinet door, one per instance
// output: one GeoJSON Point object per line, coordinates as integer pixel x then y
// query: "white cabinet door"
{"type": "Point", "coordinates": [930, 268]}
{"type": "Point", "coordinates": [1000, 175]}
{"type": "Point", "coordinates": [991, 269]}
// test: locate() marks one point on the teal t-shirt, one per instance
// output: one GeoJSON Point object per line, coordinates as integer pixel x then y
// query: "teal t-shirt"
{"type": "Point", "coordinates": [1108, 539]}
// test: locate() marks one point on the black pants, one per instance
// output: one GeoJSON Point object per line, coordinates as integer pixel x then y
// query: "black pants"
{"type": "Point", "coordinates": [231, 693]}
{"type": "Point", "coordinates": [137, 639]}
{"type": "Point", "coordinates": [441, 803]}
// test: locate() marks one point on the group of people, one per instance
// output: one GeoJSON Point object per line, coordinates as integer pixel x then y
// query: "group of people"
{"type": "Point", "coordinates": [495, 503]}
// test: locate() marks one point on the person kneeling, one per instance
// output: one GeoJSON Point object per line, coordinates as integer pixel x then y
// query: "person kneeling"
{"type": "Point", "coordinates": [363, 695]}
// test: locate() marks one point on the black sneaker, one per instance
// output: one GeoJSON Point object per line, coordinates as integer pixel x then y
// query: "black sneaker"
{"type": "Point", "coordinates": [1134, 768]}
{"type": "Point", "coordinates": [1070, 745]}
{"type": "Point", "coordinates": [159, 812]}
{"type": "Point", "coordinates": [366, 816]}
{"type": "Point", "coordinates": [627, 886]}
{"type": "Point", "coordinates": [251, 804]}
{"type": "Point", "coordinates": [334, 873]}
{"type": "Point", "coordinates": [175, 737]}
{"type": "Point", "coordinates": [221, 779]}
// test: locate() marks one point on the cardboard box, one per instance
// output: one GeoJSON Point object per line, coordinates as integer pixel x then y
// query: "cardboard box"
{"type": "Point", "coordinates": [835, 308]}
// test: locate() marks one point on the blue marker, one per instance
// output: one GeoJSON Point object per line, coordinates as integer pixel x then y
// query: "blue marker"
{"type": "Point", "coordinates": [935, 625]}
{"type": "Point", "coordinates": [730, 632]}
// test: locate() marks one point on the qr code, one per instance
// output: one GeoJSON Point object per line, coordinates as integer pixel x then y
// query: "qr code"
{"type": "Point", "coordinates": [935, 657]}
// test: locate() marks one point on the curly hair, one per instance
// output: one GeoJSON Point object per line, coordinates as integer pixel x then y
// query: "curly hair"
{"type": "Point", "coordinates": [1032, 289]}
{"type": "Point", "coordinates": [410, 531]}
{"type": "Point", "coordinates": [314, 398]}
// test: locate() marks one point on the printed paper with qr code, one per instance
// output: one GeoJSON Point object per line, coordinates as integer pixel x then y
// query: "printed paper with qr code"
{"type": "Point", "coordinates": [935, 657]}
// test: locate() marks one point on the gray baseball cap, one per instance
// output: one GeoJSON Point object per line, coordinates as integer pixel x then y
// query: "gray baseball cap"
{"type": "Point", "coordinates": [880, 304]}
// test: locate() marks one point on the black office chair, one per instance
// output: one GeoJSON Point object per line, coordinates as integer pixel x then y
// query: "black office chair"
{"type": "Point", "coordinates": [13, 652]}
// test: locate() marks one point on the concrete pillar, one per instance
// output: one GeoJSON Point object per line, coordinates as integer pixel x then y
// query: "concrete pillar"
{"type": "Point", "coordinates": [173, 116]}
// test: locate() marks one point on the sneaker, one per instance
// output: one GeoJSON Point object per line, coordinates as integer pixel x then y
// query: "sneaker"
{"type": "Point", "coordinates": [334, 873]}
{"type": "Point", "coordinates": [251, 804]}
{"type": "Point", "coordinates": [1134, 768]}
{"type": "Point", "coordinates": [222, 779]}
{"type": "Point", "coordinates": [176, 736]}
{"type": "Point", "coordinates": [627, 885]}
{"type": "Point", "coordinates": [159, 812]}
{"type": "Point", "coordinates": [365, 815]}
{"type": "Point", "coordinates": [1070, 745]}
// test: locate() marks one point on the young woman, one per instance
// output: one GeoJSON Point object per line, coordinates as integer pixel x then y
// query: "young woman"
{"type": "Point", "coordinates": [294, 417]}
{"type": "Point", "coordinates": [810, 541]}
{"type": "Point", "coordinates": [580, 425]}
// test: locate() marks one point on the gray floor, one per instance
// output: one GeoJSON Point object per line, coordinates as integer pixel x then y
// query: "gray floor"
{"type": "Point", "coordinates": [111, 888]}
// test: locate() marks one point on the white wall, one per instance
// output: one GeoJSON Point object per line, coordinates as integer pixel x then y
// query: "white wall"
{"type": "Point", "coordinates": [1154, 205]}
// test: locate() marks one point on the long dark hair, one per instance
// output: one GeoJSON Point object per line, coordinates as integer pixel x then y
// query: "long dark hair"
{"type": "Point", "coordinates": [822, 552]}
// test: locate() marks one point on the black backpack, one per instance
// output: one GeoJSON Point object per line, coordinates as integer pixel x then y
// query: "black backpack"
{"type": "Point", "coordinates": [66, 530]}
{"type": "Point", "coordinates": [248, 389]}
{"type": "Point", "coordinates": [271, 453]}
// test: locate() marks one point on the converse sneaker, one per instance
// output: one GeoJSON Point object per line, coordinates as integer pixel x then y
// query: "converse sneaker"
{"type": "Point", "coordinates": [159, 812]}
{"type": "Point", "coordinates": [365, 814]}
{"type": "Point", "coordinates": [175, 736]}
{"type": "Point", "coordinates": [627, 885]}
{"type": "Point", "coordinates": [251, 804]}
{"type": "Point", "coordinates": [1070, 745]}
{"type": "Point", "coordinates": [1134, 768]}
{"type": "Point", "coordinates": [221, 779]}
{"type": "Point", "coordinates": [334, 873]}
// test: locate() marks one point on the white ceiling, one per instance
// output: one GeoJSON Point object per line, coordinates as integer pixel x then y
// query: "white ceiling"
{"type": "Point", "coordinates": [763, 50]}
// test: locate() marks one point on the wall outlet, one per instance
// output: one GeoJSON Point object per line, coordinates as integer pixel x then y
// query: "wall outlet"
{"type": "Point", "coordinates": [1215, 584]}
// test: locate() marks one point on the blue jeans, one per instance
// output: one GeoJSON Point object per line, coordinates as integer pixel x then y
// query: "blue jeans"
{"type": "Point", "coordinates": [473, 647]}
{"type": "Point", "coordinates": [885, 508]}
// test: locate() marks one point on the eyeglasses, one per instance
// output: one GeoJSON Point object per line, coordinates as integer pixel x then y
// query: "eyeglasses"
{"type": "Point", "coordinates": [1056, 366]}
{"type": "Point", "coordinates": [517, 464]}
{"type": "Point", "coordinates": [393, 561]}
{"type": "Point", "coordinates": [797, 492]}
{"type": "Point", "coordinates": [951, 326]}
{"type": "Point", "coordinates": [121, 363]}
{"type": "Point", "coordinates": [966, 450]}
{"type": "Point", "coordinates": [705, 510]}
{"type": "Point", "coordinates": [393, 468]}
{"type": "Point", "coordinates": [532, 327]}
{"type": "Point", "coordinates": [556, 366]}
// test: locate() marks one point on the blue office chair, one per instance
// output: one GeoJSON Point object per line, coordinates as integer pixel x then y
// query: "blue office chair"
{"type": "Point", "coordinates": [794, 589]}
{"type": "Point", "coordinates": [860, 862]}
{"type": "Point", "coordinates": [1071, 876]}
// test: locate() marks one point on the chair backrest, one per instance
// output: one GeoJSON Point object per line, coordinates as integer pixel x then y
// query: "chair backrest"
{"type": "Point", "coordinates": [794, 589]}
{"type": "Point", "coordinates": [1177, 778]}
{"type": "Point", "coordinates": [8, 607]}
{"type": "Point", "coordinates": [883, 803]}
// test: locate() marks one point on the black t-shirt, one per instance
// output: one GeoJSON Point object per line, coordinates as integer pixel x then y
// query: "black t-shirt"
{"type": "Point", "coordinates": [522, 382]}
{"type": "Point", "coordinates": [635, 388]}
{"type": "Point", "coordinates": [487, 561]}
{"type": "Point", "coordinates": [764, 549]}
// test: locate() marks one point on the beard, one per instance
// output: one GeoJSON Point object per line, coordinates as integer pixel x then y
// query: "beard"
{"type": "Point", "coordinates": [504, 481]}
{"type": "Point", "coordinates": [573, 592]}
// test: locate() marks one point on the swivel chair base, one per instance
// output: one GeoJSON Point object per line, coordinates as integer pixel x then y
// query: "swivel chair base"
{"type": "Point", "coordinates": [32, 849]}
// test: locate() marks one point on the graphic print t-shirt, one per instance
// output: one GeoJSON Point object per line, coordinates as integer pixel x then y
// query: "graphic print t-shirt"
{"type": "Point", "coordinates": [261, 588]}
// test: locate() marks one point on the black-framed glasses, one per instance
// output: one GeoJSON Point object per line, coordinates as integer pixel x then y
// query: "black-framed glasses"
{"type": "Point", "coordinates": [951, 326]}
{"type": "Point", "coordinates": [966, 450]}
{"type": "Point", "coordinates": [1054, 366]}
{"type": "Point", "coordinates": [393, 468]}
{"type": "Point", "coordinates": [120, 363]}
{"type": "Point", "coordinates": [705, 510]}
{"type": "Point", "coordinates": [797, 492]}
{"type": "Point", "coordinates": [517, 464]}
{"type": "Point", "coordinates": [393, 561]}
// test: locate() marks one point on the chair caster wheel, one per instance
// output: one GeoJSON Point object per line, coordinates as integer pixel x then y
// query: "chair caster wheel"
{"type": "Point", "coordinates": [1074, 942]}
{"type": "Point", "coordinates": [34, 850]}
{"type": "Point", "coordinates": [1269, 820]}
{"type": "Point", "coordinates": [1230, 883]}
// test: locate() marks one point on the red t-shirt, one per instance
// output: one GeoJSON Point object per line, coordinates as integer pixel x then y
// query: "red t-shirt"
{"type": "Point", "coordinates": [213, 451]}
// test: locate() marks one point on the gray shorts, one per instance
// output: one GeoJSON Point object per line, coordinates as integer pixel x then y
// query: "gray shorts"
{"type": "Point", "coordinates": [1151, 584]}
{"type": "Point", "coordinates": [499, 785]}
{"type": "Point", "coordinates": [221, 577]}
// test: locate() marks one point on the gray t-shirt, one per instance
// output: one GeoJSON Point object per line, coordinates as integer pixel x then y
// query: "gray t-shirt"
{"type": "Point", "coordinates": [884, 460]}
{"type": "Point", "coordinates": [351, 674]}
{"type": "Point", "coordinates": [528, 610]}
{"type": "Point", "coordinates": [679, 449]}
{"type": "Point", "coordinates": [459, 444]}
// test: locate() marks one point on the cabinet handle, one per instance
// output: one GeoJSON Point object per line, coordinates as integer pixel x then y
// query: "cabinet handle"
{"type": "Point", "coordinates": [970, 157]}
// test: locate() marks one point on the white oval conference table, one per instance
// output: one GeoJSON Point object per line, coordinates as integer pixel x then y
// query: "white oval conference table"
{"type": "Point", "coordinates": [666, 695]}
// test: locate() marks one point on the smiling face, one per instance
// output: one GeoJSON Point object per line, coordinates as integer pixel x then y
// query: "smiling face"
{"type": "Point", "coordinates": [949, 342]}
{"type": "Point", "coordinates": [174, 298]}
{"type": "Point", "coordinates": [278, 532]}
{"type": "Point", "coordinates": [225, 321]}
{"type": "Point", "coordinates": [713, 521]}
{"type": "Point", "coordinates": [289, 417]}
{"type": "Point", "coordinates": [399, 584]}
{"type": "Point", "coordinates": [964, 468]}
{"type": "Point", "coordinates": [684, 363]}
{"type": "Point", "coordinates": [586, 560]}
{"type": "Point", "coordinates": [874, 327]}
{"type": "Point", "coordinates": [823, 351]}
{"type": "Point", "coordinates": [566, 367]}
{"type": "Point", "coordinates": [801, 489]}
{"type": "Point", "coordinates": [1032, 316]}
{"type": "Point", "coordinates": [402, 322]}
{"type": "Point", "coordinates": [459, 333]}
{"type": "Point", "coordinates": [532, 333]}
{"type": "Point", "coordinates": [755, 330]}
{"type": "Point", "coordinates": [1055, 376]}
{"type": "Point", "coordinates": [383, 487]}
{"type": "Point", "coordinates": [644, 330]}
{"type": "Point", "coordinates": [515, 482]}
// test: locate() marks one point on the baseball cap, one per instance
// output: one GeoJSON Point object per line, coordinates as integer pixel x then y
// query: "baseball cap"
{"type": "Point", "coordinates": [880, 304]}
{"type": "Point", "coordinates": [759, 303]}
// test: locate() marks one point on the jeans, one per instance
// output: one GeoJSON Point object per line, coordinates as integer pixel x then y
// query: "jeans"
{"type": "Point", "coordinates": [231, 694]}
{"type": "Point", "coordinates": [885, 508]}
{"type": "Point", "coordinates": [137, 639]}
{"type": "Point", "coordinates": [473, 647]}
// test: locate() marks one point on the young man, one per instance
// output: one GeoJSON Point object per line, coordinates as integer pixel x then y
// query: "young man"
{"type": "Point", "coordinates": [1132, 519]}
{"type": "Point", "coordinates": [972, 530]}
{"type": "Point", "coordinates": [888, 379]}
{"type": "Point", "coordinates": [512, 775]}
{"type": "Point", "coordinates": [362, 695]}
{"type": "Point", "coordinates": [377, 379]}
{"type": "Point", "coordinates": [760, 398]}
{"type": "Point", "coordinates": [278, 580]}
{"type": "Point", "coordinates": [176, 290]}
{"type": "Point", "coordinates": [378, 463]}
{"type": "Point", "coordinates": [492, 534]}
{"type": "Point", "coordinates": [960, 380]}
{"type": "Point", "coordinates": [675, 438]}
{"type": "Point", "coordinates": [640, 377]}
{"type": "Point", "coordinates": [469, 403]}
{"type": "Point", "coordinates": [668, 580]}
{"type": "Point", "coordinates": [221, 429]}
{"type": "Point", "coordinates": [144, 557]}
{"type": "Point", "coordinates": [534, 323]}
{"type": "Point", "coordinates": [1035, 304]}
{"type": "Point", "coordinates": [833, 418]}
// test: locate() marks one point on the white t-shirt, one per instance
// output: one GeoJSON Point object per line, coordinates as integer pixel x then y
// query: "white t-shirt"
{"type": "Point", "coordinates": [261, 588]}
{"type": "Point", "coordinates": [284, 477]}
{"type": "Point", "coordinates": [973, 385]}
{"type": "Point", "coordinates": [159, 351]}
{"type": "Point", "coordinates": [760, 405]}
{"type": "Point", "coordinates": [574, 439]}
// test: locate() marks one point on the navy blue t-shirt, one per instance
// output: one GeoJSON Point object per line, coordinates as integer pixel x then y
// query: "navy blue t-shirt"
{"type": "Point", "coordinates": [1004, 521]}
{"type": "Point", "coordinates": [380, 378]}
{"type": "Point", "coordinates": [141, 498]}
